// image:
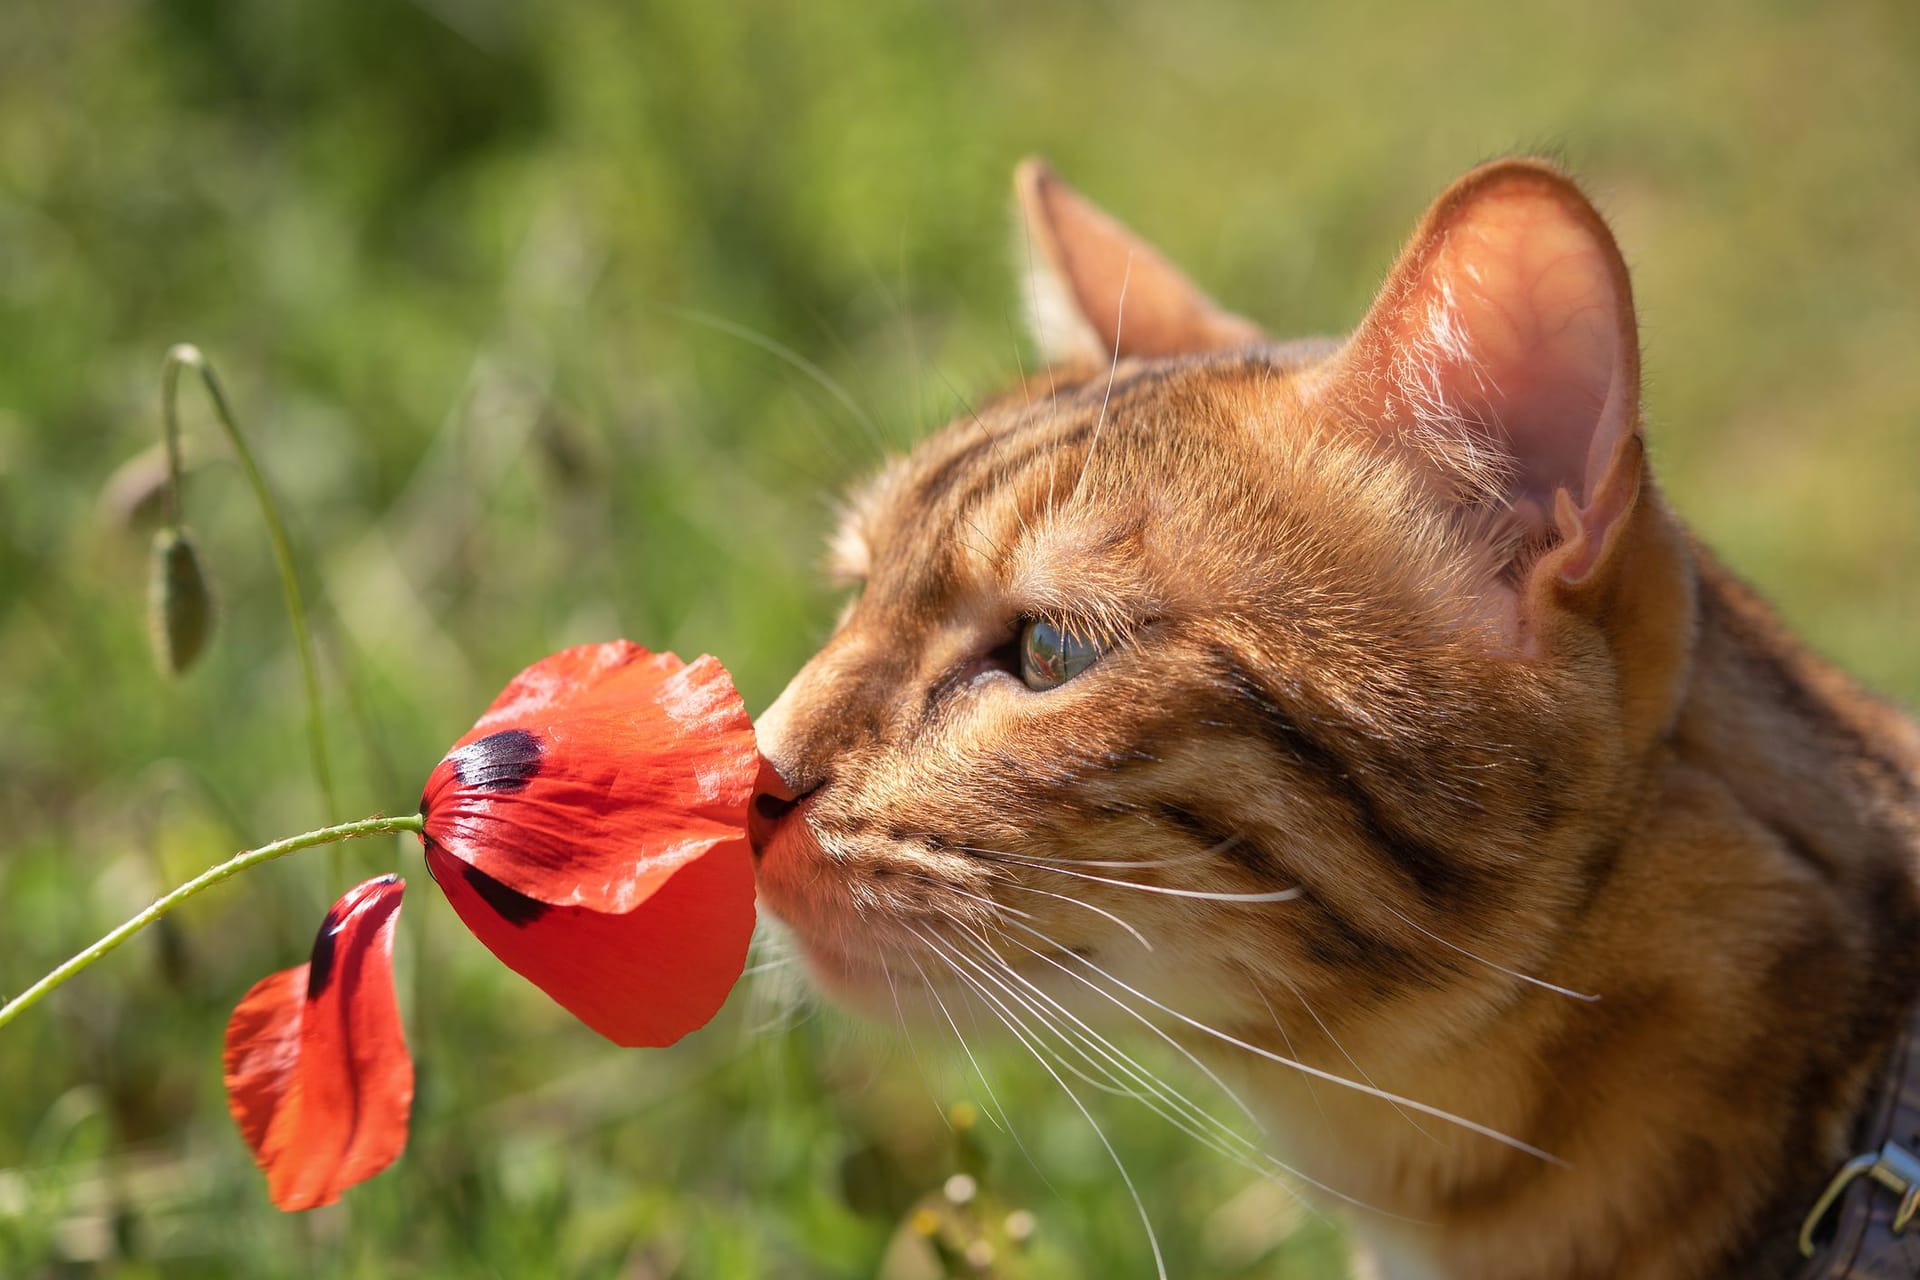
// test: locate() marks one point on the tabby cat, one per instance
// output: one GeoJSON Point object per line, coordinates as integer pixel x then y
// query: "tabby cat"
{"type": "Point", "coordinates": [1360, 712]}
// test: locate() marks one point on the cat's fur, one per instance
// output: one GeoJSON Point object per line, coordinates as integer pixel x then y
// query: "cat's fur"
{"type": "Point", "coordinates": [1401, 623]}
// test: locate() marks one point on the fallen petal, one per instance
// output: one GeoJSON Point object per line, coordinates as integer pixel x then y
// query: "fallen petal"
{"type": "Point", "coordinates": [263, 1051]}
{"type": "Point", "coordinates": [317, 1071]}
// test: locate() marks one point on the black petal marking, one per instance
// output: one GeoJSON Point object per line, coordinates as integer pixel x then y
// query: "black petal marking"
{"type": "Point", "coordinates": [320, 964]}
{"type": "Point", "coordinates": [511, 905]}
{"type": "Point", "coordinates": [504, 761]}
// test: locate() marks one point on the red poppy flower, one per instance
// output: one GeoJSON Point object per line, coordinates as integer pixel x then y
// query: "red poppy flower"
{"type": "Point", "coordinates": [317, 1072]}
{"type": "Point", "coordinates": [590, 830]}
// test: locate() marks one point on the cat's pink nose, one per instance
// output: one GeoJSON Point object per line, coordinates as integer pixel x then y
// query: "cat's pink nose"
{"type": "Point", "coordinates": [773, 800]}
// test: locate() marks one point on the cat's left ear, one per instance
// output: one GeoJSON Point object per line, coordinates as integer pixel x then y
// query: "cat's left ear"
{"type": "Point", "coordinates": [1097, 292]}
{"type": "Point", "coordinates": [1503, 349]}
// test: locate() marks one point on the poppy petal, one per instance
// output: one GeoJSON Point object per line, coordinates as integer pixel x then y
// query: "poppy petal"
{"type": "Point", "coordinates": [317, 1072]}
{"type": "Point", "coordinates": [263, 1051]}
{"type": "Point", "coordinates": [598, 773]}
{"type": "Point", "coordinates": [644, 977]}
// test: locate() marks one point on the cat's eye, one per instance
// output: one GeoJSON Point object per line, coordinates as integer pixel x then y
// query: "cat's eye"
{"type": "Point", "coordinates": [1051, 656]}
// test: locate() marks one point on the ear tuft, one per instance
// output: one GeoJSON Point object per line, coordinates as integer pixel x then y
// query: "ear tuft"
{"type": "Point", "coordinates": [1096, 292]}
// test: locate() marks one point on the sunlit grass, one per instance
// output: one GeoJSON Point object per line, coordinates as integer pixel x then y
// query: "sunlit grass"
{"type": "Point", "coordinates": [445, 256]}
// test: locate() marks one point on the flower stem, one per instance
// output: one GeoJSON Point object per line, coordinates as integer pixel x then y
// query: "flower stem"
{"type": "Point", "coordinates": [187, 356]}
{"type": "Point", "coordinates": [205, 880]}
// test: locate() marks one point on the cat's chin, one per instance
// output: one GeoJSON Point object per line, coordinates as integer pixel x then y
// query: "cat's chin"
{"type": "Point", "coordinates": [854, 974]}
{"type": "Point", "coordinates": [850, 970]}
{"type": "Point", "coordinates": [859, 985]}
{"type": "Point", "coordinates": [859, 981]}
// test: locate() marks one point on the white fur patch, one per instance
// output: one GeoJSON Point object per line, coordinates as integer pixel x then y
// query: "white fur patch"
{"type": "Point", "coordinates": [1060, 329]}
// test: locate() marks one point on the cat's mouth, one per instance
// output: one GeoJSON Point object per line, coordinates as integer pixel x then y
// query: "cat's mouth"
{"type": "Point", "coordinates": [796, 887]}
{"type": "Point", "coordinates": [882, 963]}
{"type": "Point", "coordinates": [887, 935]}
{"type": "Point", "coordinates": [921, 968]}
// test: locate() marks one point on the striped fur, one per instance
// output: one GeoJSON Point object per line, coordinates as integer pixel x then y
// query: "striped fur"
{"type": "Point", "coordinates": [1658, 798]}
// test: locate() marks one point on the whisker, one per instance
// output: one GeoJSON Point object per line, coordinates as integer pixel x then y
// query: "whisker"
{"type": "Point", "coordinates": [1139, 937]}
{"type": "Point", "coordinates": [1148, 1023]}
{"type": "Point", "coordinates": [1013, 339]}
{"type": "Point", "coordinates": [794, 1015]}
{"type": "Point", "coordinates": [1118, 1057]}
{"type": "Point", "coordinates": [1002, 1121]}
{"type": "Point", "coordinates": [1153, 1240]}
{"type": "Point", "coordinates": [1353, 1062]}
{"type": "Point", "coordinates": [1108, 1086]}
{"type": "Point", "coordinates": [1116, 864]}
{"type": "Point", "coordinates": [1006, 1119]}
{"type": "Point", "coordinates": [781, 1002]}
{"type": "Point", "coordinates": [766, 966]}
{"type": "Point", "coordinates": [1287, 1040]}
{"type": "Point", "coordinates": [900, 1018]}
{"type": "Point", "coordinates": [999, 552]}
{"type": "Point", "coordinates": [832, 331]}
{"type": "Point", "coordinates": [1268, 1162]}
{"type": "Point", "coordinates": [1438, 1113]}
{"type": "Point", "coordinates": [998, 907]}
{"type": "Point", "coordinates": [1119, 321]}
{"type": "Point", "coordinates": [1179, 1111]}
{"type": "Point", "coordinates": [787, 355]}
{"type": "Point", "coordinates": [1492, 964]}
{"type": "Point", "coordinates": [1207, 895]}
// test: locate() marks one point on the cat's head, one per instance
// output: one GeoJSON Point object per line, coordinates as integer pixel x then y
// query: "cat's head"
{"type": "Point", "coordinates": [1226, 663]}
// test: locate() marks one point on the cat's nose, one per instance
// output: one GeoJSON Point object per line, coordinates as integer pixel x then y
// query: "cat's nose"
{"type": "Point", "coordinates": [774, 797]}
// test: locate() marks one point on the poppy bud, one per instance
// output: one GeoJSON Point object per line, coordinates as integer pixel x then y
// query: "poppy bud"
{"type": "Point", "coordinates": [134, 497]}
{"type": "Point", "coordinates": [179, 602]}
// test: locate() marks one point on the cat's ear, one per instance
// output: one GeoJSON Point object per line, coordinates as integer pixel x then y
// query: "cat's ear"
{"type": "Point", "coordinates": [1503, 348]}
{"type": "Point", "coordinates": [1096, 292]}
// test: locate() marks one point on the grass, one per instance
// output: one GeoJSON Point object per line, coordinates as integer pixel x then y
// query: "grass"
{"type": "Point", "coordinates": [456, 261]}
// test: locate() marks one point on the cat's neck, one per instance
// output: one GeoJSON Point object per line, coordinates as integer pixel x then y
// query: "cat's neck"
{"type": "Point", "coordinates": [1753, 949]}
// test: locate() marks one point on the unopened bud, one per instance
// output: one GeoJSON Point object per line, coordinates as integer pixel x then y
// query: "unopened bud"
{"type": "Point", "coordinates": [179, 602]}
{"type": "Point", "coordinates": [135, 495]}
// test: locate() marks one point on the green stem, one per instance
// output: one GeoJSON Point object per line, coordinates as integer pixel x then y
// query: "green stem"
{"type": "Point", "coordinates": [187, 356]}
{"type": "Point", "coordinates": [205, 880]}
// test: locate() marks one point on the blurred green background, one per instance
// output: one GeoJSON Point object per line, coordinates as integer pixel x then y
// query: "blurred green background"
{"type": "Point", "coordinates": [498, 289]}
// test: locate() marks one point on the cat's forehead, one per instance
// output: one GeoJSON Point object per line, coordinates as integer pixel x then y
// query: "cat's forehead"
{"type": "Point", "coordinates": [1084, 451]}
{"type": "Point", "coordinates": [1190, 487]}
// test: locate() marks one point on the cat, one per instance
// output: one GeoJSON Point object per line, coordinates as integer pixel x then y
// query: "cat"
{"type": "Point", "coordinates": [1359, 709]}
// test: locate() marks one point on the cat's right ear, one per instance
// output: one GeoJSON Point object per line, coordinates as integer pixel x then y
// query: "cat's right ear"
{"type": "Point", "coordinates": [1502, 349]}
{"type": "Point", "coordinates": [1096, 292]}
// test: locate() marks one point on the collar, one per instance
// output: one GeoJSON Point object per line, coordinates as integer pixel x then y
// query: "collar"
{"type": "Point", "coordinates": [1866, 1224]}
